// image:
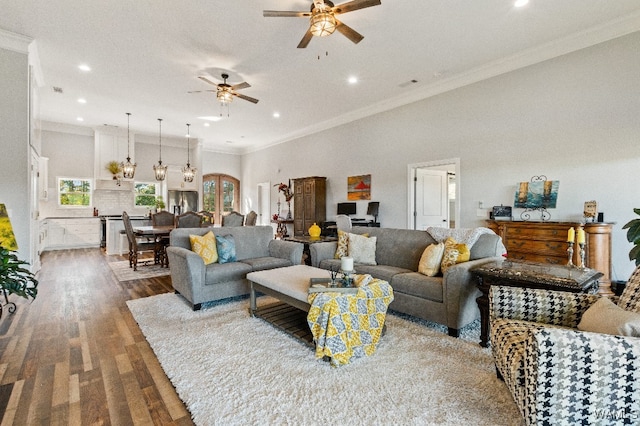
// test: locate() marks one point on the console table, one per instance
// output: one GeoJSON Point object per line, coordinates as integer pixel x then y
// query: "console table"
{"type": "Point", "coordinates": [546, 242]}
{"type": "Point", "coordinates": [307, 241]}
{"type": "Point", "coordinates": [530, 275]}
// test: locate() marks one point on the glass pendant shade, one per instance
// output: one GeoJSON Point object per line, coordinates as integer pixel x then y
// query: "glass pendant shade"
{"type": "Point", "coordinates": [128, 168]}
{"type": "Point", "coordinates": [224, 97]}
{"type": "Point", "coordinates": [160, 170]}
{"type": "Point", "coordinates": [188, 172]}
{"type": "Point", "coordinates": [323, 24]}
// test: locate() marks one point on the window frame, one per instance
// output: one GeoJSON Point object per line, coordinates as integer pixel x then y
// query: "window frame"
{"type": "Point", "coordinates": [74, 206]}
{"type": "Point", "coordinates": [136, 194]}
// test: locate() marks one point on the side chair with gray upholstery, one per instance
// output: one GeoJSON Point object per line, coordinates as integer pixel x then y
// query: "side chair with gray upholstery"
{"type": "Point", "coordinates": [233, 219]}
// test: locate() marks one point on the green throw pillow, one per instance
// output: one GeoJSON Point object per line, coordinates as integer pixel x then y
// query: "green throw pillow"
{"type": "Point", "coordinates": [226, 248]}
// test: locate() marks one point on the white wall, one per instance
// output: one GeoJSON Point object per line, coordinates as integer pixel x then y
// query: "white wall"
{"type": "Point", "coordinates": [573, 119]}
{"type": "Point", "coordinates": [14, 145]}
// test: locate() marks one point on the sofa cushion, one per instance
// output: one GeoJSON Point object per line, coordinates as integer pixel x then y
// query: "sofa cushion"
{"type": "Point", "coordinates": [205, 247]}
{"type": "Point", "coordinates": [419, 285]}
{"type": "Point", "coordinates": [604, 316]}
{"type": "Point", "coordinates": [430, 260]}
{"type": "Point", "coordinates": [487, 245]}
{"type": "Point", "coordinates": [268, 262]}
{"type": "Point", "coordinates": [397, 247]}
{"type": "Point", "coordinates": [226, 248]}
{"type": "Point", "coordinates": [343, 245]}
{"type": "Point", "coordinates": [217, 273]}
{"type": "Point", "coordinates": [453, 253]}
{"type": "Point", "coordinates": [362, 249]}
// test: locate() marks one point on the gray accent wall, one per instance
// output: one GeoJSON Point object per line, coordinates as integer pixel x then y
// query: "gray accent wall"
{"type": "Point", "coordinates": [573, 118]}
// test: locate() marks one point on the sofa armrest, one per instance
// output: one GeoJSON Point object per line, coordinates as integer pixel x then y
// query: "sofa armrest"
{"type": "Point", "coordinates": [187, 270]}
{"type": "Point", "coordinates": [545, 306]}
{"type": "Point", "coordinates": [286, 250]}
{"type": "Point", "coordinates": [600, 370]}
{"type": "Point", "coordinates": [322, 251]}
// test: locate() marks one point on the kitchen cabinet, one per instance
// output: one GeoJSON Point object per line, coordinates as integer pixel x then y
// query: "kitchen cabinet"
{"type": "Point", "coordinates": [110, 145]}
{"type": "Point", "coordinates": [63, 233]}
{"type": "Point", "coordinates": [43, 178]}
{"type": "Point", "coordinates": [309, 203]}
{"type": "Point", "coordinates": [115, 237]}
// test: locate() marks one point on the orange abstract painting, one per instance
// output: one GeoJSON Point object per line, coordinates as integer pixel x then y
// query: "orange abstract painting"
{"type": "Point", "coordinates": [359, 187]}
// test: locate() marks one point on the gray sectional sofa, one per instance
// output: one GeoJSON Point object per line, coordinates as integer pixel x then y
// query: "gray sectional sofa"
{"type": "Point", "coordinates": [256, 250]}
{"type": "Point", "coordinates": [449, 300]}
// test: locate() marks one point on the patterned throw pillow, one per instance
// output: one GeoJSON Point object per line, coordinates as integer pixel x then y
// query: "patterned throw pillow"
{"type": "Point", "coordinates": [205, 247]}
{"type": "Point", "coordinates": [362, 249]}
{"type": "Point", "coordinates": [226, 248]}
{"type": "Point", "coordinates": [430, 260]}
{"type": "Point", "coordinates": [604, 316]}
{"type": "Point", "coordinates": [343, 243]}
{"type": "Point", "coordinates": [453, 253]}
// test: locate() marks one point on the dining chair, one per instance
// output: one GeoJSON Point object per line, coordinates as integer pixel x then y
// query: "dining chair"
{"type": "Point", "coordinates": [233, 219]}
{"type": "Point", "coordinates": [207, 218]}
{"type": "Point", "coordinates": [135, 247]}
{"type": "Point", "coordinates": [163, 218]}
{"type": "Point", "coordinates": [251, 219]}
{"type": "Point", "coordinates": [188, 220]}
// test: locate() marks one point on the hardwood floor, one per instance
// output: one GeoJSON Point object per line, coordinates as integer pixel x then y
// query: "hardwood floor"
{"type": "Point", "coordinates": [75, 355]}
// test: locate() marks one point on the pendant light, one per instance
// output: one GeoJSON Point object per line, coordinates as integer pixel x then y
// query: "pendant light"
{"type": "Point", "coordinates": [188, 172]}
{"type": "Point", "coordinates": [160, 170]}
{"type": "Point", "coordinates": [128, 168]}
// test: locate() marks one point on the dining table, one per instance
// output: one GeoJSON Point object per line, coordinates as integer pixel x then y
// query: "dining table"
{"type": "Point", "coordinates": [160, 235]}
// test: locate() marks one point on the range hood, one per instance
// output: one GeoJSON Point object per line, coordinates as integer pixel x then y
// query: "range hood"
{"type": "Point", "coordinates": [112, 185]}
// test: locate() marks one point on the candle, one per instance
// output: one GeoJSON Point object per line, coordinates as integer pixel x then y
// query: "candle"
{"type": "Point", "coordinates": [571, 235]}
{"type": "Point", "coordinates": [580, 236]}
{"type": "Point", "coordinates": [346, 264]}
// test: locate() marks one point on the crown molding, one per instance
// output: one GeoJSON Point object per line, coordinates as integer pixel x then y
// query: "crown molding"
{"type": "Point", "coordinates": [572, 43]}
{"type": "Point", "coordinates": [14, 42]}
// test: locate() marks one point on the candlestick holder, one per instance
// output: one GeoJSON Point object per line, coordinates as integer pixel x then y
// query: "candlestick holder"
{"type": "Point", "coordinates": [347, 279]}
{"type": "Point", "coordinates": [582, 253]}
{"type": "Point", "coordinates": [570, 253]}
{"type": "Point", "coordinates": [334, 277]}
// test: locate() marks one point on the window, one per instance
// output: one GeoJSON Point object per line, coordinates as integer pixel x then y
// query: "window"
{"type": "Point", "coordinates": [145, 194]}
{"type": "Point", "coordinates": [221, 194]}
{"type": "Point", "coordinates": [74, 192]}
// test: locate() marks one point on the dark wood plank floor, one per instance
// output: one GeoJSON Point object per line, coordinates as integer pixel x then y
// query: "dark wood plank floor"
{"type": "Point", "coordinates": [75, 356]}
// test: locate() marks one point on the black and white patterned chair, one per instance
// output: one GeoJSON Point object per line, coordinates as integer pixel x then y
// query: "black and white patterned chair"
{"type": "Point", "coordinates": [556, 373]}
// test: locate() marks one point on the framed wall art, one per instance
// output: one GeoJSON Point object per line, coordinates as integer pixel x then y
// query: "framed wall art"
{"type": "Point", "coordinates": [359, 187]}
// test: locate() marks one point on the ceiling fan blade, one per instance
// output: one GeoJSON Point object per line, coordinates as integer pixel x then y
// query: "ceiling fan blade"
{"type": "Point", "coordinates": [349, 32]}
{"type": "Point", "coordinates": [239, 86]}
{"type": "Point", "coordinates": [285, 14]}
{"type": "Point", "coordinates": [246, 98]}
{"type": "Point", "coordinates": [202, 91]}
{"type": "Point", "coordinates": [205, 79]}
{"type": "Point", "coordinates": [305, 39]}
{"type": "Point", "coordinates": [355, 5]}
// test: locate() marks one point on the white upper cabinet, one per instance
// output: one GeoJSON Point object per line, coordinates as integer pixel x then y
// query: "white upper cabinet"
{"type": "Point", "coordinates": [110, 145]}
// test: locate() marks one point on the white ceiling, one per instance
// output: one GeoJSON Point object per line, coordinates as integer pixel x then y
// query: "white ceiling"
{"type": "Point", "coordinates": [146, 55]}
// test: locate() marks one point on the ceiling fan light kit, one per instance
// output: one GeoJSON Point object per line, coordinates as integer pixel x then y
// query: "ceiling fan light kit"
{"type": "Point", "coordinates": [323, 21]}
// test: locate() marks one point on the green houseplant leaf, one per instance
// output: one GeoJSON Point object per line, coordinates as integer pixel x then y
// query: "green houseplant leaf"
{"type": "Point", "coordinates": [633, 236]}
{"type": "Point", "coordinates": [14, 277]}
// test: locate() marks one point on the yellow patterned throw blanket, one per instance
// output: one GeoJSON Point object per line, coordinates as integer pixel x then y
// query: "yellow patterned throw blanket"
{"type": "Point", "coordinates": [349, 326]}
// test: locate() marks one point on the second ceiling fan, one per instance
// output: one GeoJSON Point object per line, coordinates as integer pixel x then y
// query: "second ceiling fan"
{"type": "Point", "coordinates": [323, 21]}
{"type": "Point", "coordinates": [225, 92]}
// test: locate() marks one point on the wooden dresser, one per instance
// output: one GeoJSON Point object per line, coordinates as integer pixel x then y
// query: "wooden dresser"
{"type": "Point", "coordinates": [546, 242]}
{"type": "Point", "coordinates": [309, 203]}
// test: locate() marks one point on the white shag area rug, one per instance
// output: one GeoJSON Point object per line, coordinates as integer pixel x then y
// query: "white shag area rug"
{"type": "Point", "coordinates": [232, 369]}
{"type": "Point", "coordinates": [124, 273]}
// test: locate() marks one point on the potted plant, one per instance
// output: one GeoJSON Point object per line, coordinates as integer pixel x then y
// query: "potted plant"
{"type": "Point", "coordinates": [160, 203]}
{"type": "Point", "coordinates": [15, 278]}
{"type": "Point", "coordinates": [114, 168]}
{"type": "Point", "coordinates": [633, 236]}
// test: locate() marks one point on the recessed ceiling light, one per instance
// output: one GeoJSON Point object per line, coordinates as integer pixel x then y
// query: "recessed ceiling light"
{"type": "Point", "coordinates": [82, 101]}
{"type": "Point", "coordinates": [353, 79]}
{"type": "Point", "coordinates": [206, 124]}
{"type": "Point", "coordinates": [521, 3]}
{"type": "Point", "coordinates": [276, 115]}
{"type": "Point", "coordinates": [80, 119]}
{"type": "Point", "coordinates": [211, 118]}
{"type": "Point", "coordinates": [229, 142]}
{"type": "Point", "coordinates": [84, 67]}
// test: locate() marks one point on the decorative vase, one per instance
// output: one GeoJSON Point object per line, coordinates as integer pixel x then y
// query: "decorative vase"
{"type": "Point", "coordinates": [314, 231]}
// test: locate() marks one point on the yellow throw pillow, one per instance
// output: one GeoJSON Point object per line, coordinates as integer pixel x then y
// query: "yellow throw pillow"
{"type": "Point", "coordinates": [205, 247]}
{"type": "Point", "coordinates": [431, 258]}
{"type": "Point", "coordinates": [343, 245]}
{"type": "Point", "coordinates": [453, 253]}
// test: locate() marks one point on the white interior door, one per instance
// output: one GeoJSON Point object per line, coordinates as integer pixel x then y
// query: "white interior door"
{"type": "Point", "coordinates": [431, 192]}
{"type": "Point", "coordinates": [264, 203]}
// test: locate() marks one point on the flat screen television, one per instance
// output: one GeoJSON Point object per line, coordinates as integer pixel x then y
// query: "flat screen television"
{"type": "Point", "coordinates": [347, 208]}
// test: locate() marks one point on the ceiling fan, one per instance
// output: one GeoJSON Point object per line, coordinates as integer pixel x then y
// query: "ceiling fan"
{"type": "Point", "coordinates": [225, 92]}
{"type": "Point", "coordinates": [323, 21]}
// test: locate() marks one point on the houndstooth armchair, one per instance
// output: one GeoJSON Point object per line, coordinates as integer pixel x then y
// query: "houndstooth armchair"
{"type": "Point", "coordinates": [556, 373]}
